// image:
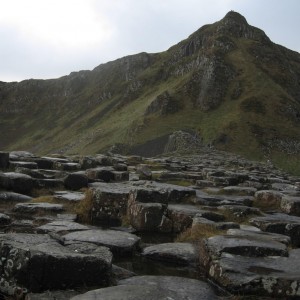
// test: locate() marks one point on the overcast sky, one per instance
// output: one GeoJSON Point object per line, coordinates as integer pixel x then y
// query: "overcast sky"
{"type": "Point", "coordinates": [51, 38]}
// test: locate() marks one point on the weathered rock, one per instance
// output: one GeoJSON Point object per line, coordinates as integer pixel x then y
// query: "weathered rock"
{"type": "Point", "coordinates": [184, 288]}
{"type": "Point", "coordinates": [20, 155]}
{"type": "Point", "coordinates": [120, 273]}
{"type": "Point", "coordinates": [280, 223]}
{"type": "Point", "coordinates": [203, 198]}
{"type": "Point", "coordinates": [120, 243]}
{"type": "Point", "coordinates": [88, 162]}
{"type": "Point", "coordinates": [76, 181]}
{"type": "Point", "coordinates": [153, 287]}
{"type": "Point", "coordinates": [249, 246]}
{"type": "Point", "coordinates": [23, 164]}
{"type": "Point", "coordinates": [173, 253]}
{"type": "Point", "coordinates": [145, 216]}
{"type": "Point", "coordinates": [290, 205]}
{"type": "Point", "coordinates": [39, 263]}
{"type": "Point", "coordinates": [155, 192]}
{"type": "Point", "coordinates": [109, 203]}
{"type": "Point", "coordinates": [268, 198]}
{"type": "Point", "coordinates": [4, 219]}
{"type": "Point", "coordinates": [144, 172]}
{"type": "Point", "coordinates": [7, 197]}
{"type": "Point", "coordinates": [276, 277]}
{"type": "Point", "coordinates": [4, 160]}
{"type": "Point", "coordinates": [61, 226]}
{"type": "Point", "coordinates": [17, 182]}
{"type": "Point", "coordinates": [66, 166]}
{"type": "Point", "coordinates": [239, 190]}
{"type": "Point", "coordinates": [260, 234]}
{"type": "Point", "coordinates": [182, 215]}
{"type": "Point", "coordinates": [129, 292]}
{"type": "Point", "coordinates": [50, 184]}
{"type": "Point", "coordinates": [239, 211]}
{"type": "Point", "coordinates": [37, 208]}
{"type": "Point", "coordinates": [107, 174]}
{"type": "Point", "coordinates": [66, 196]}
{"type": "Point", "coordinates": [52, 295]}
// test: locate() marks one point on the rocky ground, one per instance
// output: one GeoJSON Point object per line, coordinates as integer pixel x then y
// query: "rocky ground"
{"type": "Point", "coordinates": [208, 226]}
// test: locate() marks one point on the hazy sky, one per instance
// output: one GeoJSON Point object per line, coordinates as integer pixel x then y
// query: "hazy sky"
{"type": "Point", "coordinates": [51, 38]}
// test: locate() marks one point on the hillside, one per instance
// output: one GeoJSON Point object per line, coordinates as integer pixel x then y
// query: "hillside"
{"type": "Point", "coordinates": [227, 84]}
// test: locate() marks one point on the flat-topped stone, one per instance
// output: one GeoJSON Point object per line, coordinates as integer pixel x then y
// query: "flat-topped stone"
{"type": "Point", "coordinates": [17, 182]}
{"type": "Point", "coordinates": [173, 253]}
{"type": "Point", "coordinates": [13, 197]}
{"type": "Point", "coordinates": [69, 196]}
{"type": "Point", "coordinates": [61, 226]}
{"type": "Point", "coordinates": [260, 234]}
{"type": "Point", "coordinates": [119, 242]}
{"type": "Point", "coordinates": [38, 263]}
{"type": "Point", "coordinates": [280, 223]}
{"type": "Point", "coordinates": [184, 288]}
{"type": "Point", "coordinates": [37, 207]}
{"type": "Point", "coordinates": [250, 246]}
{"type": "Point", "coordinates": [275, 277]}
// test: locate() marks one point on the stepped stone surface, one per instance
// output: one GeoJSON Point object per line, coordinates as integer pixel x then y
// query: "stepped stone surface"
{"type": "Point", "coordinates": [34, 208]}
{"type": "Point", "coordinates": [175, 253]}
{"type": "Point", "coordinates": [241, 259]}
{"type": "Point", "coordinates": [120, 243]}
{"type": "Point", "coordinates": [38, 263]}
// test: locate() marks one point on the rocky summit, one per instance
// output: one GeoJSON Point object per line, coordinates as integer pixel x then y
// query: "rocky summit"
{"type": "Point", "coordinates": [211, 225]}
{"type": "Point", "coordinates": [227, 85]}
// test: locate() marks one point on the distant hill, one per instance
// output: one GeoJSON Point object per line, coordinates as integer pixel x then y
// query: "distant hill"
{"type": "Point", "coordinates": [226, 85]}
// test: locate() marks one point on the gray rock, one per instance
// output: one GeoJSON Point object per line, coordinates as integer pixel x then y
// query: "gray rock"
{"type": "Point", "coordinates": [69, 196]}
{"type": "Point", "coordinates": [268, 198]}
{"type": "Point", "coordinates": [37, 208]}
{"type": "Point", "coordinates": [280, 223]}
{"type": "Point", "coordinates": [4, 160]}
{"type": "Point", "coordinates": [259, 234]}
{"type": "Point", "coordinates": [61, 226]}
{"type": "Point", "coordinates": [129, 292]}
{"type": "Point", "coordinates": [39, 263]}
{"type": "Point", "coordinates": [120, 243]}
{"type": "Point", "coordinates": [144, 172]}
{"type": "Point", "coordinates": [290, 205]}
{"type": "Point", "coordinates": [7, 197]}
{"type": "Point", "coordinates": [250, 246]}
{"type": "Point", "coordinates": [174, 253]}
{"type": "Point", "coordinates": [276, 277]}
{"type": "Point", "coordinates": [239, 190]}
{"type": "Point", "coordinates": [184, 288]}
{"type": "Point", "coordinates": [20, 155]}
{"type": "Point", "coordinates": [17, 182]}
{"type": "Point", "coordinates": [119, 273]}
{"type": "Point", "coordinates": [50, 184]}
{"type": "Point", "coordinates": [145, 216]}
{"type": "Point", "coordinates": [4, 219]}
{"type": "Point", "coordinates": [52, 295]}
{"type": "Point", "coordinates": [109, 203]}
{"type": "Point", "coordinates": [76, 181]}
{"type": "Point", "coordinates": [66, 166]}
{"type": "Point", "coordinates": [107, 174]}
{"type": "Point", "coordinates": [23, 164]}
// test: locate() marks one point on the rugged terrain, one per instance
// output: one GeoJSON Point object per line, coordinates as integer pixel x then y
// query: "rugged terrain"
{"type": "Point", "coordinates": [207, 226]}
{"type": "Point", "coordinates": [227, 85]}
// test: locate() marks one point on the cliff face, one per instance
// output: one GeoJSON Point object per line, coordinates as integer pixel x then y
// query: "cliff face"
{"type": "Point", "coordinates": [227, 82]}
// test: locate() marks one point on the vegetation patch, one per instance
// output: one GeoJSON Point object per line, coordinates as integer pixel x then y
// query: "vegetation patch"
{"type": "Point", "coordinates": [253, 104]}
{"type": "Point", "coordinates": [84, 208]}
{"type": "Point", "coordinates": [198, 232]}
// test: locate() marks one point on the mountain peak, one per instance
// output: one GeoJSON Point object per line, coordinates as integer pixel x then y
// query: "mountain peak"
{"type": "Point", "coordinates": [235, 17]}
{"type": "Point", "coordinates": [236, 25]}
